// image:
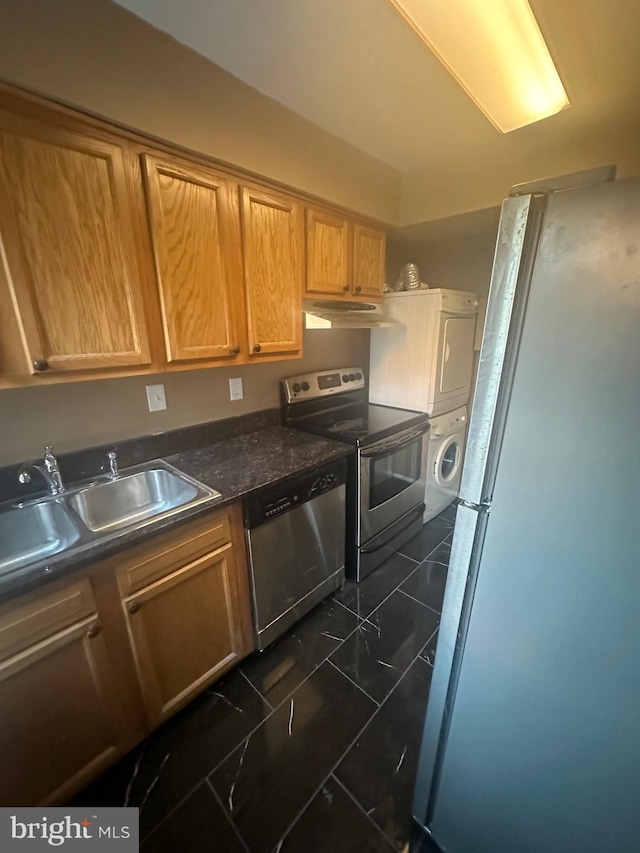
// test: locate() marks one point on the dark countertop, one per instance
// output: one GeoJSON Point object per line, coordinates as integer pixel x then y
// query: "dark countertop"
{"type": "Point", "coordinates": [239, 466]}
{"type": "Point", "coordinates": [236, 467]}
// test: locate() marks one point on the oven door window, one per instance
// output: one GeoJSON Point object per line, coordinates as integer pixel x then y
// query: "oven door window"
{"type": "Point", "coordinates": [393, 471]}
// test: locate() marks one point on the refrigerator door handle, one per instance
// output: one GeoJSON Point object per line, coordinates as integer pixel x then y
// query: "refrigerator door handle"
{"type": "Point", "coordinates": [519, 231]}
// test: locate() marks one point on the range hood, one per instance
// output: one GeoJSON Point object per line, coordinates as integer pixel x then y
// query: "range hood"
{"type": "Point", "coordinates": [327, 314]}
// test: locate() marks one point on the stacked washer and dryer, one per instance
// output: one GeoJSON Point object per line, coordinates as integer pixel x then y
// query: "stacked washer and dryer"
{"type": "Point", "coordinates": [425, 362]}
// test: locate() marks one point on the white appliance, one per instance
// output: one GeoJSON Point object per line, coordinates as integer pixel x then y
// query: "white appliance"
{"type": "Point", "coordinates": [425, 361]}
{"type": "Point", "coordinates": [444, 461]}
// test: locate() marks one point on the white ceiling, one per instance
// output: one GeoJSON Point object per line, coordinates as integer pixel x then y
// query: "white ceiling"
{"type": "Point", "coordinates": [358, 70]}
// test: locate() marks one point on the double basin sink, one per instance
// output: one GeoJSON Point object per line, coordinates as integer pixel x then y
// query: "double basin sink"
{"type": "Point", "coordinates": [33, 532]}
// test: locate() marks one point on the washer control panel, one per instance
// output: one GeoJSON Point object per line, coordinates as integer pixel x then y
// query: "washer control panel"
{"type": "Point", "coordinates": [445, 425]}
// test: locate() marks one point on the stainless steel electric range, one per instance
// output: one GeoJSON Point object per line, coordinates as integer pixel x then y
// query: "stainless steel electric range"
{"type": "Point", "coordinates": [386, 480]}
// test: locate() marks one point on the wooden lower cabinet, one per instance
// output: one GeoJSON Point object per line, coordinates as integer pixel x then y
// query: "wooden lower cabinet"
{"type": "Point", "coordinates": [184, 630]}
{"type": "Point", "coordinates": [90, 664]}
{"type": "Point", "coordinates": [59, 718]}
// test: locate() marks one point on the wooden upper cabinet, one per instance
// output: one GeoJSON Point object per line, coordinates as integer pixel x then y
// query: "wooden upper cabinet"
{"type": "Point", "coordinates": [368, 261]}
{"type": "Point", "coordinates": [67, 229]}
{"type": "Point", "coordinates": [328, 253]}
{"type": "Point", "coordinates": [273, 244]}
{"type": "Point", "coordinates": [194, 229]}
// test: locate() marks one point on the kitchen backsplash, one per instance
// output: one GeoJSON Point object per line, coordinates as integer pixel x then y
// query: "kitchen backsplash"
{"type": "Point", "coordinates": [88, 414]}
{"type": "Point", "coordinates": [82, 464]}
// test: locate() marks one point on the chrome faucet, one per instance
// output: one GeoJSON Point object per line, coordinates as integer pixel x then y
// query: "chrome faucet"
{"type": "Point", "coordinates": [113, 465]}
{"type": "Point", "coordinates": [50, 471]}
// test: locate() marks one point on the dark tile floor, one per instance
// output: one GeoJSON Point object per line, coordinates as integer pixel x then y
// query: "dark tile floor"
{"type": "Point", "coordinates": [312, 745]}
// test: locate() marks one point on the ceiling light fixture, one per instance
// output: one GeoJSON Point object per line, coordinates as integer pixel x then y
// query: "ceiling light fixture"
{"type": "Point", "coordinates": [496, 52]}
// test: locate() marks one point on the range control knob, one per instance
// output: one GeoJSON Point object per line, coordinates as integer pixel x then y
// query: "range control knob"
{"type": "Point", "coordinates": [352, 377]}
{"type": "Point", "coordinates": [305, 386]}
{"type": "Point", "coordinates": [345, 378]}
{"type": "Point", "coordinates": [296, 387]}
{"type": "Point", "coordinates": [358, 376]}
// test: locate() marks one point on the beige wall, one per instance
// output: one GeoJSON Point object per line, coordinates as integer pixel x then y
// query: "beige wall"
{"type": "Point", "coordinates": [484, 179]}
{"type": "Point", "coordinates": [97, 56]}
{"type": "Point", "coordinates": [455, 253]}
{"type": "Point", "coordinates": [84, 414]}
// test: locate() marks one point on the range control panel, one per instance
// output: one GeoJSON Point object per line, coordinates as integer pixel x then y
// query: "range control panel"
{"type": "Point", "coordinates": [309, 386]}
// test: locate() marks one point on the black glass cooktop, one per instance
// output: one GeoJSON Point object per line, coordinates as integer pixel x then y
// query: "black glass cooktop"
{"type": "Point", "coordinates": [362, 423]}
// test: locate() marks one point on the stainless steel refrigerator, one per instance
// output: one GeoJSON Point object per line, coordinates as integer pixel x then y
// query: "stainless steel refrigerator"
{"type": "Point", "coordinates": [532, 734]}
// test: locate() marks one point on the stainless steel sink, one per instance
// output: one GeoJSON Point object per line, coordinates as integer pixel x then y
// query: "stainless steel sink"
{"type": "Point", "coordinates": [133, 499]}
{"type": "Point", "coordinates": [34, 532]}
{"type": "Point", "coordinates": [98, 511]}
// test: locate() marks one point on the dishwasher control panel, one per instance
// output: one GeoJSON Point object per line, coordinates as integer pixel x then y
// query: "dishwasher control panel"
{"type": "Point", "coordinates": [281, 505]}
{"type": "Point", "coordinates": [286, 496]}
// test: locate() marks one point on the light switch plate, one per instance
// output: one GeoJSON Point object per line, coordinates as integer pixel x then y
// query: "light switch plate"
{"type": "Point", "coordinates": [235, 389]}
{"type": "Point", "coordinates": [156, 398]}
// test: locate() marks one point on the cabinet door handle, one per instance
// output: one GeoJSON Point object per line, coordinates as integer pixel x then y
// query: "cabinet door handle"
{"type": "Point", "coordinates": [40, 364]}
{"type": "Point", "coordinates": [133, 607]}
{"type": "Point", "coordinates": [358, 289]}
{"type": "Point", "coordinates": [346, 288]}
{"type": "Point", "coordinates": [94, 631]}
{"type": "Point", "coordinates": [257, 348]}
{"type": "Point", "coordinates": [235, 350]}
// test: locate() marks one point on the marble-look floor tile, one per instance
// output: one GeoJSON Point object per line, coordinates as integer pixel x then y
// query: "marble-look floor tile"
{"type": "Point", "coordinates": [428, 654]}
{"type": "Point", "coordinates": [427, 583]}
{"type": "Point", "coordinates": [270, 778]}
{"type": "Point", "coordinates": [171, 762]}
{"type": "Point", "coordinates": [431, 535]}
{"type": "Point", "coordinates": [380, 651]}
{"type": "Point", "coordinates": [334, 823]}
{"type": "Point", "coordinates": [380, 768]}
{"type": "Point", "coordinates": [420, 841]}
{"type": "Point", "coordinates": [362, 598]}
{"type": "Point", "coordinates": [278, 670]}
{"type": "Point", "coordinates": [198, 825]}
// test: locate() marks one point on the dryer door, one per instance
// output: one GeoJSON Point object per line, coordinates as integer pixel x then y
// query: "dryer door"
{"type": "Point", "coordinates": [456, 354]}
{"type": "Point", "coordinates": [448, 462]}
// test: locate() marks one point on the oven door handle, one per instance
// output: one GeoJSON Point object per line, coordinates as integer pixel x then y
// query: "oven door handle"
{"type": "Point", "coordinates": [418, 511]}
{"type": "Point", "coordinates": [383, 447]}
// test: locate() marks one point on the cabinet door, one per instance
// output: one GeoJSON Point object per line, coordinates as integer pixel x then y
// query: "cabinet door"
{"type": "Point", "coordinates": [58, 716]}
{"type": "Point", "coordinates": [273, 238]}
{"type": "Point", "coordinates": [185, 629]}
{"type": "Point", "coordinates": [66, 225]}
{"type": "Point", "coordinates": [368, 261]}
{"type": "Point", "coordinates": [328, 253]}
{"type": "Point", "coordinates": [193, 226]}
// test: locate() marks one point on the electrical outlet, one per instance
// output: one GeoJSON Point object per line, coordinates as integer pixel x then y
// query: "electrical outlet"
{"type": "Point", "coordinates": [156, 398]}
{"type": "Point", "coordinates": [235, 389]}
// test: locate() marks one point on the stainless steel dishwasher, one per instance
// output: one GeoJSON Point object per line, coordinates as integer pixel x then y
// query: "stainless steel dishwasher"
{"type": "Point", "coordinates": [296, 537]}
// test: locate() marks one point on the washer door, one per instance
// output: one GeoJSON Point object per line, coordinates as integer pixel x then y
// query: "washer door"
{"type": "Point", "coordinates": [448, 461]}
